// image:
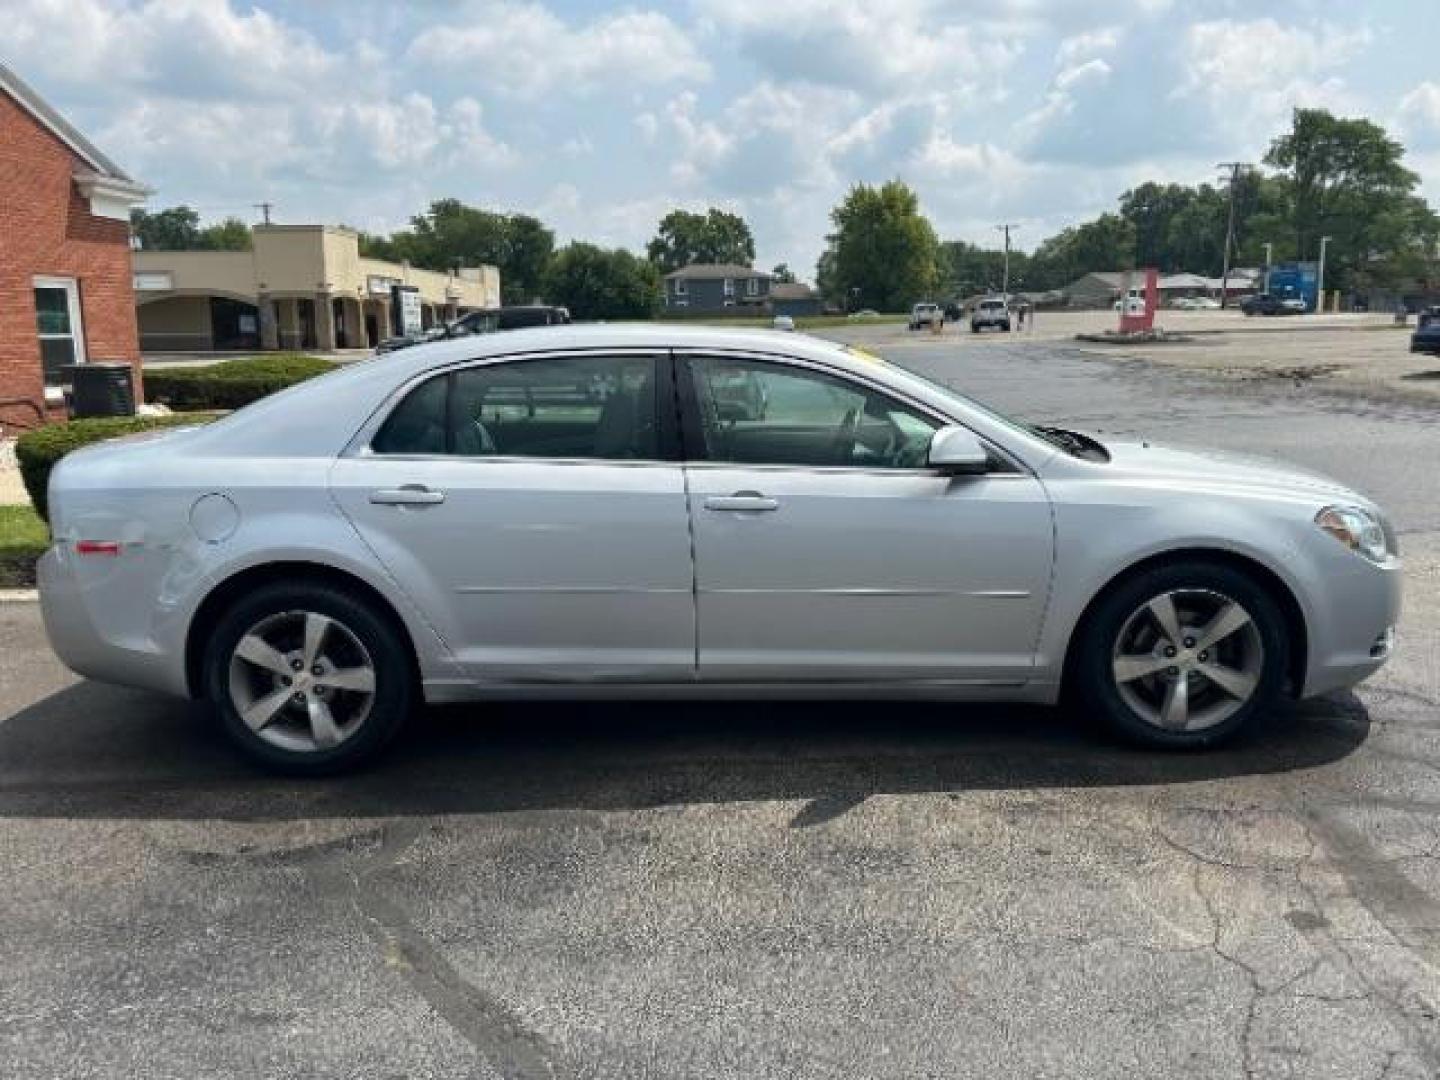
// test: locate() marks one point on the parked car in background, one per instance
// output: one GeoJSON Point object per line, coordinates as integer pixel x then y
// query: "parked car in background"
{"type": "Point", "coordinates": [926, 315]}
{"type": "Point", "coordinates": [1195, 303]}
{"type": "Point", "coordinates": [993, 311]}
{"type": "Point", "coordinates": [1426, 338]}
{"type": "Point", "coordinates": [1269, 304]}
{"type": "Point", "coordinates": [672, 512]}
{"type": "Point", "coordinates": [405, 341]}
{"type": "Point", "coordinates": [782, 322]}
{"type": "Point", "coordinates": [865, 313]}
{"type": "Point", "coordinates": [484, 321]}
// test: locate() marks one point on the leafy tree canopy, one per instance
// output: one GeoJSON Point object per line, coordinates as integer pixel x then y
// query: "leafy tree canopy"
{"type": "Point", "coordinates": [883, 253]}
{"type": "Point", "coordinates": [178, 228]}
{"type": "Point", "coordinates": [598, 284]}
{"type": "Point", "coordinates": [716, 236]}
{"type": "Point", "coordinates": [451, 234]}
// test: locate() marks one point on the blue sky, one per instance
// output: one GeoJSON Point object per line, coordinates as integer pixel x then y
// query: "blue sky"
{"type": "Point", "coordinates": [601, 117]}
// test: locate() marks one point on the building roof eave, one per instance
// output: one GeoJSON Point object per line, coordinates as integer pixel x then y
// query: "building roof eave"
{"type": "Point", "coordinates": [57, 125]}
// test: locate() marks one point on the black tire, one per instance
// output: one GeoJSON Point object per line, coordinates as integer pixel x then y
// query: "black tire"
{"type": "Point", "coordinates": [396, 691]}
{"type": "Point", "coordinates": [1091, 675]}
{"type": "Point", "coordinates": [974, 329]}
{"type": "Point", "coordinates": [1005, 326]}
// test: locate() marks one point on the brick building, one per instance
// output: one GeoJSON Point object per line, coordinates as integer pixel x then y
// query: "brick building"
{"type": "Point", "coordinates": [66, 293]}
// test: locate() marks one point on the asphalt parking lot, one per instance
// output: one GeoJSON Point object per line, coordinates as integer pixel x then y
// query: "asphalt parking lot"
{"type": "Point", "coordinates": [856, 890]}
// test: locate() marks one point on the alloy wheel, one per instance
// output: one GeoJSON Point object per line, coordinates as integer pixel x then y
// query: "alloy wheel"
{"type": "Point", "coordinates": [1188, 659]}
{"type": "Point", "coordinates": [302, 681]}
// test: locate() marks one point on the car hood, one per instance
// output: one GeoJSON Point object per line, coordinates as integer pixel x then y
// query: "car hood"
{"type": "Point", "coordinates": [1222, 469]}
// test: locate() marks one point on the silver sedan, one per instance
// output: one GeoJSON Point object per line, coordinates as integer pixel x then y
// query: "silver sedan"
{"type": "Point", "coordinates": [659, 511]}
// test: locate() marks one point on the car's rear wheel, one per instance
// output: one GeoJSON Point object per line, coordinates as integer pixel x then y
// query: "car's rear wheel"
{"type": "Point", "coordinates": [308, 678]}
{"type": "Point", "coordinates": [1183, 655]}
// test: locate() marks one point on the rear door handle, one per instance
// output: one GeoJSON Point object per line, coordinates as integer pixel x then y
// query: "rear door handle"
{"type": "Point", "coordinates": [743, 501]}
{"type": "Point", "coordinates": [408, 495]}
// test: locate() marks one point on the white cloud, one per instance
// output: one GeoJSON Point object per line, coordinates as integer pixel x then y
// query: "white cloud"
{"type": "Point", "coordinates": [1087, 46]}
{"type": "Point", "coordinates": [525, 51]}
{"type": "Point", "coordinates": [911, 45]}
{"type": "Point", "coordinates": [1420, 115]}
{"type": "Point", "coordinates": [1269, 67]}
{"type": "Point", "coordinates": [202, 49]}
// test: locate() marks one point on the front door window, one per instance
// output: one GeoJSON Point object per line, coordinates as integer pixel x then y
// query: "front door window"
{"type": "Point", "coordinates": [57, 324]}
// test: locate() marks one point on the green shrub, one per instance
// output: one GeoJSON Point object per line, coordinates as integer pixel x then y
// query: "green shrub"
{"type": "Point", "coordinates": [232, 383]}
{"type": "Point", "coordinates": [23, 539]}
{"type": "Point", "coordinates": [38, 451]}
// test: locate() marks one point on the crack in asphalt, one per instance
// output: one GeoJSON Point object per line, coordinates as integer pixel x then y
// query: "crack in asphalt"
{"type": "Point", "coordinates": [495, 1032]}
{"type": "Point", "coordinates": [1401, 1013]}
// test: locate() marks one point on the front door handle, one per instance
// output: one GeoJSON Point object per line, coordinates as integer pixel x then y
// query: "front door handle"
{"type": "Point", "coordinates": [408, 495]}
{"type": "Point", "coordinates": [743, 501]}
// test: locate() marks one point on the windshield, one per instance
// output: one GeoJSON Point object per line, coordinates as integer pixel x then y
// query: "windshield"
{"type": "Point", "coordinates": [1072, 442]}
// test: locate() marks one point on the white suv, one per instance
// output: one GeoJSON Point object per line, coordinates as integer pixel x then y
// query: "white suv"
{"type": "Point", "coordinates": [926, 315]}
{"type": "Point", "coordinates": [992, 312]}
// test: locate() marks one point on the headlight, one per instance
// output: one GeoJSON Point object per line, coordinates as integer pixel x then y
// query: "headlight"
{"type": "Point", "coordinates": [1359, 530]}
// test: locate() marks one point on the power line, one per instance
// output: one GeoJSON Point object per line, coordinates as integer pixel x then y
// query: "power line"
{"type": "Point", "coordinates": [1234, 167]}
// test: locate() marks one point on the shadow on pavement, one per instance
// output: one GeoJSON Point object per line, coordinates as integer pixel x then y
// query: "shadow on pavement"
{"type": "Point", "coordinates": [93, 751]}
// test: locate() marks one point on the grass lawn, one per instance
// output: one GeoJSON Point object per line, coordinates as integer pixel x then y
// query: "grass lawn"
{"type": "Point", "coordinates": [23, 539]}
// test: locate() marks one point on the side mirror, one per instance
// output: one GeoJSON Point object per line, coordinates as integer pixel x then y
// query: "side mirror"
{"type": "Point", "coordinates": [955, 450]}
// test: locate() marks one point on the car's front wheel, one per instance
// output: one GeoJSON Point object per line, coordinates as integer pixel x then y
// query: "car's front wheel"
{"type": "Point", "coordinates": [308, 678]}
{"type": "Point", "coordinates": [1183, 655]}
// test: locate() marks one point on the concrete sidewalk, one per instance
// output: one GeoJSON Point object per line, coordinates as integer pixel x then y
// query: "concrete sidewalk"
{"type": "Point", "coordinates": [12, 491]}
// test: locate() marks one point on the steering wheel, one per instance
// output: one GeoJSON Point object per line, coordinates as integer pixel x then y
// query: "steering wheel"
{"type": "Point", "coordinates": [843, 448]}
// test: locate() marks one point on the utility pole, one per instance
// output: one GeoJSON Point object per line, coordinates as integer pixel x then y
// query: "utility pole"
{"type": "Point", "coordinates": [1005, 286]}
{"type": "Point", "coordinates": [264, 208]}
{"type": "Point", "coordinates": [1320, 275]}
{"type": "Point", "coordinates": [1234, 167]}
{"type": "Point", "coordinates": [1269, 257]}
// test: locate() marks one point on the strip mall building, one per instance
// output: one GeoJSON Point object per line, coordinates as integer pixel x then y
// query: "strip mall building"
{"type": "Point", "coordinates": [300, 287]}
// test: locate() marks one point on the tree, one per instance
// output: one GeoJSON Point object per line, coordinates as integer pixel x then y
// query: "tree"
{"type": "Point", "coordinates": [715, 236]}
{"type": "Point", "coordinates": [885, 253]}
{"type": "Point", "coordinates": [967, 269]}
{"type": "Point", "coordinates": [174, 229]}
{"type": "Point", "coordinates": [232, 234]}
{"type": "Point", "coordinates": [177, 228]}
{"type": "Point", "coordinates": [1106, 243]}
{"type": "Point", "coordinates": [1344, 179]}
{"type": "Point", "coordinates": [783, 274]}
{"type": "Point", "coordinates": [598, 284]}
{"type": "Point", "coordinates": [451, 234]}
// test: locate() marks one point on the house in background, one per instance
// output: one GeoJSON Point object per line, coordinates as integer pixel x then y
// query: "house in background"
{"type": "Point", "coordinates": [707, 288]}
{"type": "Point", "coordinates": [64, 256]}
{"type": "Point", "coordinates": [795, 300]}
{"type": "Point", "coordinates": [300, 287]}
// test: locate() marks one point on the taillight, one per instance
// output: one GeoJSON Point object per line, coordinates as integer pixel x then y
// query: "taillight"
{"type": "Point", "coordinates": [97, 547]}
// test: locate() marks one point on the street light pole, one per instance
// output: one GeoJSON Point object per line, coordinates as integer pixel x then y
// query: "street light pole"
{"type": "Point", "coordinates": [1320, 278]}
{"type": "Point", "coordinates": [1269, 258]}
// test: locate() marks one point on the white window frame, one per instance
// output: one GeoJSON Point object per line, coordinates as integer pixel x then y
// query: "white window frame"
{"type": "Point", "coordinates": [752, 286]}
{"type": "Point", "coordinates": [681, 289]}
{"type": "Point", "coordinates": [77, 322]}
{"type": "Point", "coordinates": [729, 286]}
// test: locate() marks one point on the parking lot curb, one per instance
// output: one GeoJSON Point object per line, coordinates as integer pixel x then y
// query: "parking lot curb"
{"type": "Point", "coordinates": [19, 596]}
